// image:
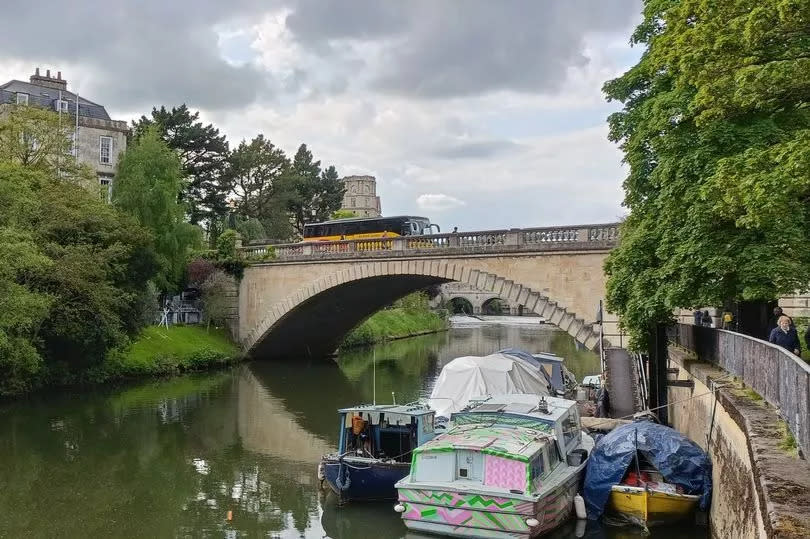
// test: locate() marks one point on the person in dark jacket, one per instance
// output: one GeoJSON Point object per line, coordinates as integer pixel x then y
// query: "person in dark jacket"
{"type": "Point", "coordinates": [785, 335]}
{"type": "Point", "coordinates": [706, 319]}
{"type": "Point", "coordinates": [698, 315]}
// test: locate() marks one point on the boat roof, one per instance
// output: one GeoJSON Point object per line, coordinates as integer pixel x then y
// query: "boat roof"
{"type": "Point", "coordinates": [412, 409]}
{"type": "Point", "coordinates": [516, 443]}
{"type": "Point", "coordinates": [520, 404]}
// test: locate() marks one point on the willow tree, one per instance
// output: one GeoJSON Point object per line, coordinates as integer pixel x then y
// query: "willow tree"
{"type": "Point", "coordinates": [147, 186]}
{"type": "Point", "coordinates": [716, 132]}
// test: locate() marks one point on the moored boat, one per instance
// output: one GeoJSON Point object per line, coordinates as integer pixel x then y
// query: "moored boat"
{"type": "Point", "coordinates": [374, 449]}
{"type": "Point", "coordinates": [647, 474]}
{"type": "Point", "coordinates": [507, 467]}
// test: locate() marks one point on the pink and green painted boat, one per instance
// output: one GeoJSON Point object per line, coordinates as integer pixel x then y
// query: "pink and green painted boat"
{"type": "Point", "coordinates": [507, 467]}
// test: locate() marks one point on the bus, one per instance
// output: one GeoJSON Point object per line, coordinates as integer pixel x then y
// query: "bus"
{"type": "Point", "coordinates": [369, 227]}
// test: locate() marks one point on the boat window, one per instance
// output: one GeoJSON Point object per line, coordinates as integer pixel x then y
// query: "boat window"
{"type": "Point", "coordinates": [570, 428]}
{"type": "Point", "coordinates": [538, 466]}
{"type": "Point", "coordinates": [395, 443]}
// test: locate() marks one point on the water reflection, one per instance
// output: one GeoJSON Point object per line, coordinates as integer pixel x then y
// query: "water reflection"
{"type": "Point", "coordinates": [177, 458]}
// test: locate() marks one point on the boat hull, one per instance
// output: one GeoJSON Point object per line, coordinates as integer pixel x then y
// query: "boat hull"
{"type": "Point", "coordinates": [648, 507]}
{"type": "Point", "coordinates": [466, 514]}
{"type": "Point", "coordinates": [358, 479]}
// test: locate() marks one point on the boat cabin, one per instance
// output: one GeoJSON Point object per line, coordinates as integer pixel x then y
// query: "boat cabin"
{"type": "Point", "coordinates": [512, 443]}
{"type": "Point", "coordinates": [384, 431]}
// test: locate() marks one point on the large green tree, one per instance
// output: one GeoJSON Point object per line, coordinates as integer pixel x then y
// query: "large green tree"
{"type": "Point", "coordinates": [716, 130]}
{"type": "Point", "coordinates": [147, 185]}
{"type": "Point", "coordinates": [317, 195]}
{"type": "Point", "coordinates": [261, 187]}
{"type": "Point", "coordinates": [203, 154]}
{"type": "Point", "coordinates": [73, 275]}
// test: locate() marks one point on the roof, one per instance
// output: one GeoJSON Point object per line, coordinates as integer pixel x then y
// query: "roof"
{"type": "Point", "coordinates": [521, 405]}
{"type": "Point", "coordinates": [44, 96]}
{"type": "Point", "coordinates": [516, 443]}
{"type": "Point", "coordinates": [402, 409]}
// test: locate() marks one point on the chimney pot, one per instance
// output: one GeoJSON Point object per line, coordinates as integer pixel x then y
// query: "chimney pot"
{"type": "Point", "coordinates": [37, 72]}
{"type": "Point", "coordinates": [59, 75]}
{"type": "Point", "coordinates": [48, 73]}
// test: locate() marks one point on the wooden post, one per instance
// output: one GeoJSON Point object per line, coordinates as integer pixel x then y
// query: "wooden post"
{"type": "Point", "coordinates": [658, 371]}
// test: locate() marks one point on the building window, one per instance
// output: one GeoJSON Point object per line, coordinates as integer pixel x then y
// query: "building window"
{"type": "Point", "coordinates": [61, 105]}
{"type": "Point", "coordinates": [105, 150]}
{"type": "Point", "coordinates": [106, 188]}
{"type": "Point", "coordinates": [22, 99]}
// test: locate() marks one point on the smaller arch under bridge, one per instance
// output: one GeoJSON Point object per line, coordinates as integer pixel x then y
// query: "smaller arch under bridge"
{"type": "Point", "coordinates": [299, 300]}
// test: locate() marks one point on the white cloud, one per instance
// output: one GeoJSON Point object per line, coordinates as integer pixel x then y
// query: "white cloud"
{"type": "Point", "coordinates": [438, 202]}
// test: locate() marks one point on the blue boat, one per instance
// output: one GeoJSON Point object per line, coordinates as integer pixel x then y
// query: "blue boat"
{"type": "Point", "coordinates": [374, 451]}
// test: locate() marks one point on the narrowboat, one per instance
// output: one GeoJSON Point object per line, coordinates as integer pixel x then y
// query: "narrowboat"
{"type": "Point", "coordinates": [647, 474]}
{"type": "Point", "coordinates": [507, 467]}
{"type": "Point", "coordinates": [374, 449]}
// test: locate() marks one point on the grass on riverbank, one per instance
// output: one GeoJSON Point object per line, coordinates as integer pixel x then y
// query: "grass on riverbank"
{"type": "Point", "coordinates": [158, 350]}
{"type": "Point", "coordinates": [394, 323]}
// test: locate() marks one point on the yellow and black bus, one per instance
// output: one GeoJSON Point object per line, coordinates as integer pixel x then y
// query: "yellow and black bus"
{"type": "Point", "coordinates": [369, 227]}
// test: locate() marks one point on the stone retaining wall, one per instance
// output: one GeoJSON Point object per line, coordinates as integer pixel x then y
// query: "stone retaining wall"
{"type": "Point", "coordinates": [760, 489]}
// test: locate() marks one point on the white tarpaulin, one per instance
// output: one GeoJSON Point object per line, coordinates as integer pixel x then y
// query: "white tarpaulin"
{"type": "Point", "coordinates": [469, 377]}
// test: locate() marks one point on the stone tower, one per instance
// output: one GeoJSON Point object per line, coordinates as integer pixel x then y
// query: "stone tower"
{"type": "Point", "coordinates": [361, 196]}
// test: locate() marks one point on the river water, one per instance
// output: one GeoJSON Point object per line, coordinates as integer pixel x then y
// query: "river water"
{"type": "Point", "coordinates": [174, 458]}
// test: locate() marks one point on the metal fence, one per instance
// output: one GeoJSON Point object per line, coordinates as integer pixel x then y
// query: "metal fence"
{"type": "Point", "coordinates": [782, 378]}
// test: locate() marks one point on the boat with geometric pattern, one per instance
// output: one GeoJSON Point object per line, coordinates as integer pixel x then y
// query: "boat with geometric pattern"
{"type": "Point", "coordinates": [509, 466]}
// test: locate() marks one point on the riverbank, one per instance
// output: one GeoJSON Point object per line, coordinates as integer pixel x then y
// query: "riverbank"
{"type": "Point", "coordinates": [394, 323]}
{"type": "Point", "coordinates": [161, 351]}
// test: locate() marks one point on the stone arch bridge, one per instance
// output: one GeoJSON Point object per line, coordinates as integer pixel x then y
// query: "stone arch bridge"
{"type": "Point", "coordinates": [301, 299]}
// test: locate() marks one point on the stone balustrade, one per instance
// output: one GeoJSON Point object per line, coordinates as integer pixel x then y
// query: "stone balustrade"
{"type": "Point", "coordinates": [581, 237]}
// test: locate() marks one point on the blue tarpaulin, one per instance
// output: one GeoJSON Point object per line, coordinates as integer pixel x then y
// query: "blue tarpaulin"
{"type": "Point", "coordinates": [678, 458]}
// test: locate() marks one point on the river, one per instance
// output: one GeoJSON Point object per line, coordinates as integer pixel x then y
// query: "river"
{"type": "Point", "coordinates": [174, 458]}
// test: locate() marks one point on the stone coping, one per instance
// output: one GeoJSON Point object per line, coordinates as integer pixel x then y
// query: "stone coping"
{"type": "Point", "coordinates": [782, 480]}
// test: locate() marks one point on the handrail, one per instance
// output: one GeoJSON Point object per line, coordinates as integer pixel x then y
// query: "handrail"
{"type": "Point", "coordinates": [782, 378]}
{"type": "Point", "coordinates": [529, 239]}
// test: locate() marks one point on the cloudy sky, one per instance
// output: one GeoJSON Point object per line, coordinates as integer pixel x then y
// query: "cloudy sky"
{"type": "Point", "coordinates": [476, 113]}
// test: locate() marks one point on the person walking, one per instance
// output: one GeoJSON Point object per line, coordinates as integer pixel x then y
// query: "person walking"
{"type": "Point", "coordinates": [706, 319]}
{"type": "Point", "coordinates": [785, 335]}
{"type": "Point", "coordinates": [727, 319]}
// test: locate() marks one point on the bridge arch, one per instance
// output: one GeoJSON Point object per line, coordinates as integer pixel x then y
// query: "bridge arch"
{"type": "Point", "coordinates": [461, 305]}
{"type": "Point", "coordinates": [313, 320]}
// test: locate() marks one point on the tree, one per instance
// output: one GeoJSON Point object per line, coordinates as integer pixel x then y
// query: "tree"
{"type": "Point", "coordinates": [715, 128]}
{"type": "Point", "coordinates": [203, 154]}
{"type": "Point", "coordinates": [260, 182]}
{"type": "Point", "coordinates": [73, 277]}
{"type": "Point", "coordinates": [317, 194]}
{"type": "Point", "coordinates": [343, 214]}
{"type": "Point", "coordinates": [216, 302]}
{"type": "Point", "coordinates": [147, 186]}
{"type": "Point", "coordinates": [36, 138]}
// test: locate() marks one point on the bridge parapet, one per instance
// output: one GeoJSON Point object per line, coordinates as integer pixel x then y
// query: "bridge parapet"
{"type": "Point", "coordinates": [580, 237]}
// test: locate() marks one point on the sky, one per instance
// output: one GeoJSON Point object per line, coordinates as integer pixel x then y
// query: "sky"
{"type": "Point", "coordinates": [477, 114]}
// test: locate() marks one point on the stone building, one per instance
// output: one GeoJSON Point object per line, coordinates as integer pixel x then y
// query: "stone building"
{"type": "Point", "coordinates": [361, 196]}
{"type": "Point", "coordinates": [100, 138]}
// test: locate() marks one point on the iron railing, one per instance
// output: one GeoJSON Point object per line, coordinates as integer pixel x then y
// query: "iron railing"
{"type": "Point", "coordinates": [781, 378]}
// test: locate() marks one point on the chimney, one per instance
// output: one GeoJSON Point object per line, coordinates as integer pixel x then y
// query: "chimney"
{"type": "Point", "coordinates": [57, 83]}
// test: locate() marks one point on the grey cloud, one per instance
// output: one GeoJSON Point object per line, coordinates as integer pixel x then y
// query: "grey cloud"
{"type": "Point", "coordinates": [446, 49]}
{"type": "Point", "coordinates": [145, 53]}
{"type": "Point", "coordinates": [482, 149]}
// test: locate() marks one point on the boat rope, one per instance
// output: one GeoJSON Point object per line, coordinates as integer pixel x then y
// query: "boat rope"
{"type": "Point", "coordinates": [343, 480]}
{"type": "Point", "coordinates": [717, 388]}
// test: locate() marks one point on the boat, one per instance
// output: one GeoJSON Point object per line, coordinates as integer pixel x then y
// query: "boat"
{"type": "Point", "coordinates": [507, 467]}
{"type": "Point", "coordinates": [468, 378]}
{"type": "Point", "coordinates": [647, 474]}
{"type": "Point", "coordinates": [374, 449]}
